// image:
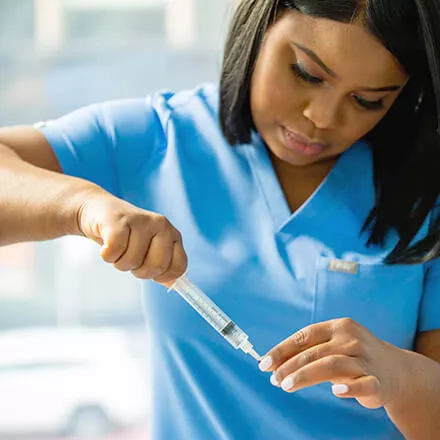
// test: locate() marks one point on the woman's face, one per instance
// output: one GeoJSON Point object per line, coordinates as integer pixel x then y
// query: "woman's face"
{"type": "Point", "coordinates": [319, 86]}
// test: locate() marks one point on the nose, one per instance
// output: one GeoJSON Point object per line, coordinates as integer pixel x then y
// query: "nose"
{"type": "Point", "coordinates": [323, 110]}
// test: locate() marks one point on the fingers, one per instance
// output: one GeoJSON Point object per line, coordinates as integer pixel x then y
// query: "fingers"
{"type": "Point", "coordinates": [177, 266]}
{"type": "Point", "coordinates": [348, 374]}
{"type": "Point", "coordinates": [362, 387]}
{"type": "Point", "coordinates": [145, 244]}
{"type": "Point", "coordinates": [367, 390]}
{"type": "Point", "coordinates": [163, 260]}
{"type": "Point", "coordinates": [115, 240]}
{"type": "Point", "coordinates": [329, 368]}
{"type": "Point", "coordinates": [136, 250]}
{"type": "Point", "coordinates": [304, 358]}
{"type": "Point", "coordinates": [300, 341]}
{"type": "Point", "coordinates": [336, 351]}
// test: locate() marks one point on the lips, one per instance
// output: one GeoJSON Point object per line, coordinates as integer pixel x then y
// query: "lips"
{"type": "Point", "coordinates": [302, 145]}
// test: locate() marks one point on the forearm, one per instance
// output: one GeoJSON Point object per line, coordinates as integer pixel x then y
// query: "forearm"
{"type": "Point", "coordinates": [36, 204]}
{"type": "Point", "coordinates": [417, 412]}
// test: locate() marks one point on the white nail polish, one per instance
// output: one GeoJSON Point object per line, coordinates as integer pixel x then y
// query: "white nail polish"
{"type": "Point", "coordinates": [287, 383]}
{"type": "Point", "coordinates": [273, 381]}
{"type": "Point", "coordinates": [339, 389]}
{"type": "Point", "coordinates": [265, 364]}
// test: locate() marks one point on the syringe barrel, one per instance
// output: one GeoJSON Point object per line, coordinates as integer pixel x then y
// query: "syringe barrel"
{"type": "Point", "coordinates": [206, 308]}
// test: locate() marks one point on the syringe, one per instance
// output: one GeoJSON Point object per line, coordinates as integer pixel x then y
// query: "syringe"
{"type": "Point", "coordinates": [206, 308]}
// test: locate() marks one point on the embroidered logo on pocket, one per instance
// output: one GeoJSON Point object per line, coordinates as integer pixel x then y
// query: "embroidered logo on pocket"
{"type": "Point", "coordinates": [349, 267]}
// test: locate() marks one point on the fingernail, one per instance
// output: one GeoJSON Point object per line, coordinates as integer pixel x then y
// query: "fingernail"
{"type": "Point", "coordinates": [274, 381]}
{"type": "Point", "coordinates": [339, 389]}
{"type": "Point", "coordinates": [265, 364]}
{"type": "Point", "coordinates": [287, 383]}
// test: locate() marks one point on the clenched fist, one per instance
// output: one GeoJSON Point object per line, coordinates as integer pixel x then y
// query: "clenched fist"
{"type": "Point", "coordinates": [133, 239]}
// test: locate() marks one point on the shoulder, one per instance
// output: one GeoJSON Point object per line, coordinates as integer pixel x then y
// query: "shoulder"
{"type": "Point", "coordinates": [198, 103]}
{"type": "Point", "coordinates": [154, 110]}
{"type": "Point", "coordinates": [189, 120]}
{"type": "Point", "coordinates": [130, 124]}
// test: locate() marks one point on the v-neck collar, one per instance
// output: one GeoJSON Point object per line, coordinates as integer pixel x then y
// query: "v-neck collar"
{"type": "Point", "coordinates": [324, 199]}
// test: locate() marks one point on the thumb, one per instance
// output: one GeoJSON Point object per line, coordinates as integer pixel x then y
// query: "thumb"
{"type": "Point", "coordinates": [110, 251]}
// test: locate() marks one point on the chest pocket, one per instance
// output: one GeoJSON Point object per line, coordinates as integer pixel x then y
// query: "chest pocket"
{"type": "Point", "coordinates": [385, 299]}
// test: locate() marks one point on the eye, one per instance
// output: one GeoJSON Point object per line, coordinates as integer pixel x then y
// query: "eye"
{"type": "Point", "coordinates": [303, 75]}
{"type": "Point", "coordinates": [369, 105]}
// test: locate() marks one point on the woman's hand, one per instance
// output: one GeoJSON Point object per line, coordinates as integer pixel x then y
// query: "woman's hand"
{"type": "Point", "coordinates": [133, 239]}
{"type": "Point", "coordinates": [342, 352]}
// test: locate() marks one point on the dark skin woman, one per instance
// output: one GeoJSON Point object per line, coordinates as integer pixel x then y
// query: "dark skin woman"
{"type": "Point", "coordinates": [307, 86]}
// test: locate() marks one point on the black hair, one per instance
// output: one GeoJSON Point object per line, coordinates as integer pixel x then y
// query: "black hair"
{"type": "Point", "coordinates": [406, 142]}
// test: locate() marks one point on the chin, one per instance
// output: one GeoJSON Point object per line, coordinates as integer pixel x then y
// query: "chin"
{"type": "Point", "coordinates": [284, 154]}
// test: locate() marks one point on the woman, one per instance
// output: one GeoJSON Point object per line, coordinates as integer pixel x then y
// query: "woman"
{"type": "Point", "coordinates": [302, 188]}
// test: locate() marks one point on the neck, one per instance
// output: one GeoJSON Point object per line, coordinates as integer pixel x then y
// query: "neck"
{"type": "Point", "coordinates": [300, 182]}
{"type": "Point", "coordinates": [318, 170]}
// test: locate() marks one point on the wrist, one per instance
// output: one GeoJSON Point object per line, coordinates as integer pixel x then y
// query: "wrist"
{"type": "Point", "coordinates": [409, 381]}
{"type": "Point", "coordinates": [77, 199]}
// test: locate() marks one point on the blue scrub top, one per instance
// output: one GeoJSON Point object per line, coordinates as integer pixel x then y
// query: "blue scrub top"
{"type": "Point", "coordinates": [268, 269]}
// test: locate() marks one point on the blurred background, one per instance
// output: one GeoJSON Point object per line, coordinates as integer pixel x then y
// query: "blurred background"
{"type": "Point", "coordinates": [73, 345]}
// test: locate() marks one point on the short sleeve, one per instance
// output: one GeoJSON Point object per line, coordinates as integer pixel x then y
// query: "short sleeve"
{"type": "Point", "coordinates": [105, 143]}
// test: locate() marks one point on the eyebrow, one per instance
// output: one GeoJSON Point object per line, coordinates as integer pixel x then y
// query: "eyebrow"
{"type": "Point", "coordinates": [327, 69]}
